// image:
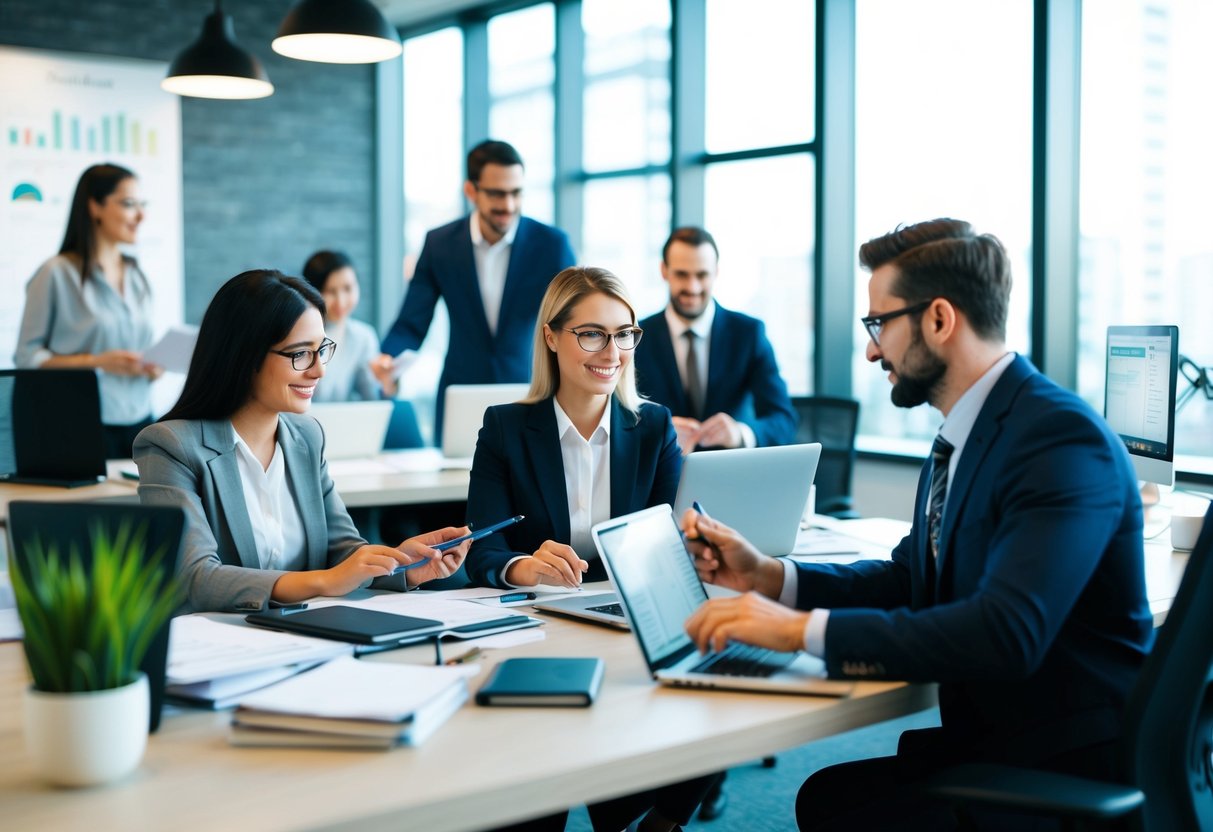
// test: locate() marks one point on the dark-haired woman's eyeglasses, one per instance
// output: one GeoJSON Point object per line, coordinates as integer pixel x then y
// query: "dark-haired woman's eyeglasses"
{"type": "Point", "coordinates": [595, 340]}
{"type": "Point", "coordinates": [306, 359]}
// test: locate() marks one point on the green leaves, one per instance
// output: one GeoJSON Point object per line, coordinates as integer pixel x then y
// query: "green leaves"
{"type": "Point", "coordinates": [87, 627]}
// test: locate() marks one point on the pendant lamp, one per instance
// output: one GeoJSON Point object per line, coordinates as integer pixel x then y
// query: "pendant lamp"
{"type": "Point", "coordinates": [337, 32]}
{"type": "Point", "coordinates": [214, 66]}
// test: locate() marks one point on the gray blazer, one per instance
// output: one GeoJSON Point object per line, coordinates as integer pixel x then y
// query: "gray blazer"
{"type": "Point", "coordinates": [192, 464]}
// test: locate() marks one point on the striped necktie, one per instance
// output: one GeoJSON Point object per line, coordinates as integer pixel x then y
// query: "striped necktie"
{"type": "Point", "coordinates": [941, 453]}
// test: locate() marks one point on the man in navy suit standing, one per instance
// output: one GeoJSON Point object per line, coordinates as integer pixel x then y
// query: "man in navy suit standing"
{"type": "Point", "coordinates": [712, 367]}
{"type": "Point", "coordinates": [492, 268]}
{"type": "Point", "coordinates": [1020, 588]}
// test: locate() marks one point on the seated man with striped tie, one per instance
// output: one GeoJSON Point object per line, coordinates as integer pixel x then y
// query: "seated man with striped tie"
{"type": "Point", "coordinates": [1020, 588]}
{"type": "Point", "coordinates": [712, 367]}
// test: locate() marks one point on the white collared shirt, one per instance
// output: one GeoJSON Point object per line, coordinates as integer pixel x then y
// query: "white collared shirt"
{"type": "Point", "coordinates": [587, 479]}
{"type": "Point", "coordinates": [492, 264]}
{"type": "Point", "coordinates": [272, 511]}
{"type": "Point", "coordinates": [956, 429]}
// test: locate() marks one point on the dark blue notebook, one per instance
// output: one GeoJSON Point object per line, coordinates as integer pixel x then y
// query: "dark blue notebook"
{"type": "Point", "coordinates": [563, 682]}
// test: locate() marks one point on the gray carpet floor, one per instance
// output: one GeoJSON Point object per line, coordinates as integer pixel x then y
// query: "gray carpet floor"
{"type": "Point", "coordinates": [762, 799]}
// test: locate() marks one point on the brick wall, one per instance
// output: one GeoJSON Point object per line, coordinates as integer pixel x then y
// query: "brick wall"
{"type": "Point", "coordinates": [266, 182]}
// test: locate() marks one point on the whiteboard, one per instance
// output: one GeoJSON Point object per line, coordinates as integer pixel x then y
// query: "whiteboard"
{"type": "Point", "coordinates": [59, 113]}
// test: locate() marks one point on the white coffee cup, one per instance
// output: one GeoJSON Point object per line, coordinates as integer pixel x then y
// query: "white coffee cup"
{"type": "Point", "coordinates": [1185, 529]}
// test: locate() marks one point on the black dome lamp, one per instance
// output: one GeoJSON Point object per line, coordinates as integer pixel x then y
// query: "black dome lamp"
{"type": "Point", "coordinates": [214, 66]}
{"type": "Point", "coordinates": [337, 32]}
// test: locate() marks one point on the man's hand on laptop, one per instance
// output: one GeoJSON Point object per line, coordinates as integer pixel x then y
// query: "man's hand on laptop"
{"type": "Point", "coordinates": [749, 619]}
{"type": "Point", "coordinates": [725, 558]}
{"type": "Point", "coordinates": [552, 563]}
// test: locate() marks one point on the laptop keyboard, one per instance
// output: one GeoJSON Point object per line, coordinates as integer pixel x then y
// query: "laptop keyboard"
{"type": "Point", "coordinates": [608, 609]}
{"type": "Point", "coordinates": [744, 660]}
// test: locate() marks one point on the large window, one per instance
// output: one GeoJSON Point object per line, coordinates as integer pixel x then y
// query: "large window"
{"type": "Point", "coordinates": [943, 125]}
{"type": "Point", "coordinates": [1146, 252]}
{"type": "Point", "coordinates": [433, 176]}
{"type": "Point", "coordinates": [522, 108]}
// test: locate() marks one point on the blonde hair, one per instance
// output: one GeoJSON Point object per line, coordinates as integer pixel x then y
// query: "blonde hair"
{"type": "Point", "coordinates": [566, 290]}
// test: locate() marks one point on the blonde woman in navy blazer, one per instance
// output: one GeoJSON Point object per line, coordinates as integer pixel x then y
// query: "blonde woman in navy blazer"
{"type": "Point", "coordinates": [582, 379]}
{"type": "Point", "coordinates": [241, 427]}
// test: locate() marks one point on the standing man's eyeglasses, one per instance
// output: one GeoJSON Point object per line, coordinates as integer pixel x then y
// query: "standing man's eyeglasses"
{"type": "Point", "coordinates": [306, 359]}
{"type": "Point", "coordinates": [875, 323]}
{"type": "Point", "coordinates": [595, 340]}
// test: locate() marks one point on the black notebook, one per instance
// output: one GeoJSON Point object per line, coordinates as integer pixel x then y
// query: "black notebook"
{"type": "Point", "coordinates": [569, 682]}
{"type": "Point", "coordinates": [352, 624]}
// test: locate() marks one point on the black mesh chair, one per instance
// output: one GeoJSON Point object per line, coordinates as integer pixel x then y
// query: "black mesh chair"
{"type": "Point", "coordinates": [833, 422]}
{"type": "Point", "coordinates": [1166, 752]}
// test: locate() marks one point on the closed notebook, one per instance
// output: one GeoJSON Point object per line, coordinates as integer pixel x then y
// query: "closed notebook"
{"type": "Point", "coordinates": [353, 624]}
{"type": "Point", "coordinates": [568, 682]}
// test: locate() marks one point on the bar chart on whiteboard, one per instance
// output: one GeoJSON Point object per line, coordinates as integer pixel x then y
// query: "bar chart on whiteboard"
{"type": "Point", "coordinates": [60, 113]}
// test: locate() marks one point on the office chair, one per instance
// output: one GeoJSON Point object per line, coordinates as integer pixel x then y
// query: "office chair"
{"type": "Point", "coordinates": [1165, 755]}
{"type": "Point", "coordinates": [69, 526]}
{"type": "Point", "coordinates": [833, 422]}
{"type": "Point", "coordinates": [403, 430]}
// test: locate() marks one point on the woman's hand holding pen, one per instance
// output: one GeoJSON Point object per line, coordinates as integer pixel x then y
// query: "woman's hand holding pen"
{"type": "Point", "coordinates": [367, 562]}
{"type": "Point", "coordinates": [725, 558]}
{"type": "Point", "coordinates": [552, 563]}
{"type": "Point", "coordinates": [442, 564]}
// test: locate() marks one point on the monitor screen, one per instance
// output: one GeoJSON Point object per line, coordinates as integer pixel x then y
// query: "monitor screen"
{"type": "Point", "coordinates": [1139, 396]}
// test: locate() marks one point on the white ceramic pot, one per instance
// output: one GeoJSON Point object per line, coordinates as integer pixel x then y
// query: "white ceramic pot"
{"type": "Point", "coordinates": [86, 739]}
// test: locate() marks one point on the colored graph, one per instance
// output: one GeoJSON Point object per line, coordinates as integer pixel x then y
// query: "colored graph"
{"type": "Point", "coordinates": [112, 134]}
{"type": "Point", "coordinates": [26, 191]}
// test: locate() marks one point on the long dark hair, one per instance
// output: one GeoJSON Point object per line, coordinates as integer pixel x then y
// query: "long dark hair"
{"type": "Point", "coordinates": [95, 184]}
{"type": "Point", "coordinates": [248, 315]}
{"type": "Point", "coordinates": [320, 265]}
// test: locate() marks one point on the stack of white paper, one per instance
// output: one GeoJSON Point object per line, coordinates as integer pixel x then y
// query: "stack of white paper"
{"type": "Point", "coordinates": [352, 703]}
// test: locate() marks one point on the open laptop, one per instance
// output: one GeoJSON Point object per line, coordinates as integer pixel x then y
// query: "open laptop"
{"type": "Point", "coordinates": [659, 589]}
{"type": "Point", "coordinates": [50, 428]}
{"type": "Point", "coordinates": [463, 416]}
{"type": "Point", "coordinates": [760, 492]}
{"type": "Point", "coordinates": [353, 430]}
{"type": "Point", "coordinates": [598, 608]}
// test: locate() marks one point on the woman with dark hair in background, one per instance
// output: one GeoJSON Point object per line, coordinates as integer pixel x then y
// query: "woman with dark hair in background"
{"type": "Point", "coordinates": [350, 375]}
{"type": "Point", "coordinates": [90, 306]}
{"type": "Point", "coordinates": [240, 455]}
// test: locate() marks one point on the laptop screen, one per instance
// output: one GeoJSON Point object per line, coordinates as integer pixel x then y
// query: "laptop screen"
{"type": "Point", "coordinates": [655, 578]}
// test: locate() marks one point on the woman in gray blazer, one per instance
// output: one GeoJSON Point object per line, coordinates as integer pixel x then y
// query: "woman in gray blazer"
{"type": "Point", "coordinates": [240, 455]}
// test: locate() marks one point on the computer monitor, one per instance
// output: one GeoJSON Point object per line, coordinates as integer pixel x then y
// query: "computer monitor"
{"type": "Point", "coordinates": [1139, 396]}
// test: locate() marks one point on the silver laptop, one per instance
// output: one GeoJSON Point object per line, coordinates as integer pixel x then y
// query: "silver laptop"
{"type": "Point", "coordinates": [760, 492]}
{"type": "Point", "coordinates": [352, 430]}
{"type": "Point", "coordinates": [598, 608]}
{"type": "Point", "coordinates": [659, 589]}
{"type": "Point", "coordinates": [463, 416]}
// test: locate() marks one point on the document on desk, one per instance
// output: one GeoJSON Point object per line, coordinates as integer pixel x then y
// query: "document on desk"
{"type": "Point", "coordinates": [201, 648]}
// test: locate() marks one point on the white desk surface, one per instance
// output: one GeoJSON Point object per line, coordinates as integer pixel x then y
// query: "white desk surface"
{"type": "Point", "coordinates": [358, 487]}
{"type": "Point", "coordinates": [485, 767]}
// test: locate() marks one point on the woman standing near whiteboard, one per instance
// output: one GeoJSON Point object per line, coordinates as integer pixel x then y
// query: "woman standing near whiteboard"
{"type": "Point", "coordinates": [90, 306]}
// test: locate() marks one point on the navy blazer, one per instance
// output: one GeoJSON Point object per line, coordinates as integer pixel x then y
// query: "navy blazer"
{"type": "Point", "coordinates": [743, 378]}
{"type": "Point", "coordinates": [518, 469]}
{"type": "Point", "coordinates": [1034, 620]}
{"type": "Point", "coordinates": [447, 269]}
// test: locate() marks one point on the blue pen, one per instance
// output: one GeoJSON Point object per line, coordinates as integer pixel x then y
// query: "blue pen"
{"type": "Point", "coordinates": [476, 535]}
{"type": "Point", "coordinates": [517, 596]}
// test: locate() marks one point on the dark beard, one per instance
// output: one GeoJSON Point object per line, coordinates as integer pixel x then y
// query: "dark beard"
{"type": "Point", "coordinates": [919, 376]}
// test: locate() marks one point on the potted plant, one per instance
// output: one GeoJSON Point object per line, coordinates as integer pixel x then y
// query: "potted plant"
{"type": "Point", "coordinates": [88, 623]}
